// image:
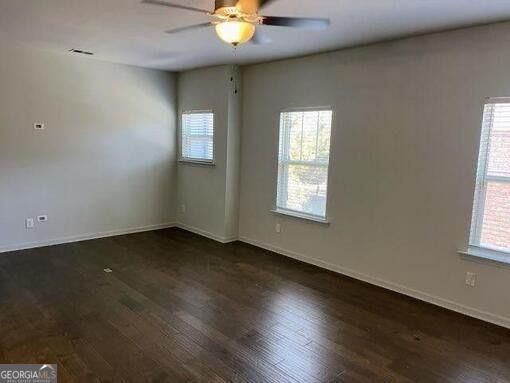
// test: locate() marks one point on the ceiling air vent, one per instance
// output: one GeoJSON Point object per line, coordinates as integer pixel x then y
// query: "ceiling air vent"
{"type": "Point", "coordinates": [79, 51]}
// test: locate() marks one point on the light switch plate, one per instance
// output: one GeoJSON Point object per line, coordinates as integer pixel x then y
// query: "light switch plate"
{"type": "Point", "coordinates": [29, 223]}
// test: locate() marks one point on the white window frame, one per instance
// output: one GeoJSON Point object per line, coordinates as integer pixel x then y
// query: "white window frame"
{"type": "Point", "coordinates": [294, 213]}
{"type": "Point", "coordinates": [475, 248]}
{"type": "Point", "coordinates": [197, 160]}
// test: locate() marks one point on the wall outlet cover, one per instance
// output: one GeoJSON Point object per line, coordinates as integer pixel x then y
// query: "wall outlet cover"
{"type": "Point", "coordinates": [42, 218]}
{"type": "Point", "coordinates": [471, 279]}
{"type": "Point", "coordinates": [39, 126]}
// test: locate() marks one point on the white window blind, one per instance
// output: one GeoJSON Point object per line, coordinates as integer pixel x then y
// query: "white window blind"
{"type": "Point", "coordinates": [303, 162]}
{"type": "Point", "coordinates": [490, 226]}
{"type": "Point", "coordinates": [197, 136]}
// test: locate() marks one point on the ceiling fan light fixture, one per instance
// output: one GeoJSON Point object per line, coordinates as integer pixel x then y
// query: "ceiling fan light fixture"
{"type": "Point", "coordinates": [227, 11]}
{"type": "Point", "coordinates": [235, 32]}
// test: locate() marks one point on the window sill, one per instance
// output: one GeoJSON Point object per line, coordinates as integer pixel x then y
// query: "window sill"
{"type": "Point", "coordinates": [487, 254]}
{"type": "Point", "coordinates": [297, 215]}
{"type": "Point", "coordinates": [197, 162]}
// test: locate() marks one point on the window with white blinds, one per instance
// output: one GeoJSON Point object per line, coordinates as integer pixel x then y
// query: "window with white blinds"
{"type": "Point", "coordinates": [197, 136]}
{"type": "Point", "coordinates": [490, 228]}
{"type": "Point", "coordinates": [303, 162]}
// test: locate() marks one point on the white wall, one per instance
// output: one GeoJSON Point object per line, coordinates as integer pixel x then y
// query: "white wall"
{"type": "Point", "coordinates": [404, 149]}
{"type": "Point", "coordinates": [210, 193]}
{"type": "Point", "coordinates": [403, 158]}
{"type": "Point", "coordinates": [233, 165]}
{"type": "Point", "coordinates": [106, 161]}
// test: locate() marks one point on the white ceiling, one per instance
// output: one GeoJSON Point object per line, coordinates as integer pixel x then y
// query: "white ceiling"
{"type": "Point", "coordinates": [127, 31]}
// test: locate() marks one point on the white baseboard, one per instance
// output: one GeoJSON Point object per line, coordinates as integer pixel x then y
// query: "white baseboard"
{"type": "Point", "coordinates": [466, 310]}
{"type": "Point", "coordinates": [206, 234]}
{"type": "Point", "coordinates": [84, 237]}
{"type": "Point", "coordinates": [445, 303]}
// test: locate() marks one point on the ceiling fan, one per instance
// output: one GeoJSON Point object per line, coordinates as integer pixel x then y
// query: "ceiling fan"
{"type": "Point", "coordinates": [236, 20]}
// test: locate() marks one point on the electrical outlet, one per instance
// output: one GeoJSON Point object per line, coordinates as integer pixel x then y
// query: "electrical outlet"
{"type": "Point", "coordinates": [183, 209]}
{"type": "Point", "coordinates": [39, 126]}
{"type": "Point", "coordinates": [29, 223]}
{"type": "Point", "coordinates": [278, 228]}
{"type": "Point", "coordinates": [42, 218]}
{"type": "Point", "coordinates": [471, 279]}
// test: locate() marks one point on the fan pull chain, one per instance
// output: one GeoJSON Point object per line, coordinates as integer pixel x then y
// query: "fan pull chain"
{"type": "Point", "coordinates": [233, 79]}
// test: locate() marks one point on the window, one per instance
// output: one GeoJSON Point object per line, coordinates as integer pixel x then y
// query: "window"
{"type": "Point", "coordinates": [490, 228]}
{"type": "Point", "coordinates": [197, 133]}
{"type": "Point", "coordinates": [303, 162]}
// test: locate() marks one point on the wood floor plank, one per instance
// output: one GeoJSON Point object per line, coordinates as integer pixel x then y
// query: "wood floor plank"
{"type": "Point", "coordinates": [182, 308]}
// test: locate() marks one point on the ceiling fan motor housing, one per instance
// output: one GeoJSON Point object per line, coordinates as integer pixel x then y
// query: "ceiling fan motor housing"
{"type": "Point", "coordinates": [226, 7]}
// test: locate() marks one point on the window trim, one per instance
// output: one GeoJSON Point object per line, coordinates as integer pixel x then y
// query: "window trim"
{"type": "Point", "coordinates": [197, 161]}
{"type": "Point", "coordinates": [299, 215]}
{"type": "Point", "coordinates": [293, 213]}
{"type": "Point", "coordinates": [486, 254]}
{"type": "Point", "coordinates": [475, 249]}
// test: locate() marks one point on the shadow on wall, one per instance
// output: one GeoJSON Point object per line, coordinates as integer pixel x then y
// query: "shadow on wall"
{"type": "Point", "coordinates": [106, 160]}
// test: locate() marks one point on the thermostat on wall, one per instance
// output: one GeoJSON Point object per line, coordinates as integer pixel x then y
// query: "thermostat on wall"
{"type": "Point", "coordinates": [39, 126]}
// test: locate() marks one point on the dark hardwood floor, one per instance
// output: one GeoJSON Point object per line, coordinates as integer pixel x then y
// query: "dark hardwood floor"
{"type": "Point", "coordinates": [181, 308]}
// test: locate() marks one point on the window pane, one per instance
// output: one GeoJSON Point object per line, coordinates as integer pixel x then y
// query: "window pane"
{"type": "Point", "coordinates": [490, 226]}
{"type": "Point", "coordinates": [296, 135]}
{"type": "Point", "coordinates": [303, 161]}
{"type": "Point", "coordinates": [499, 142]}
{"type": "Point", "coordinates": [306, 189]}
{"type": "Point", "coordinates": [197, 148]}
{"type": "Point", "coordinates": [197, 136]}
{"type": "Point", "coordinates": [324, 136]}
{"type": "Point", "coordinates": [496, 216]}
{"type": "Point", "coordinates": [310, 126]}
